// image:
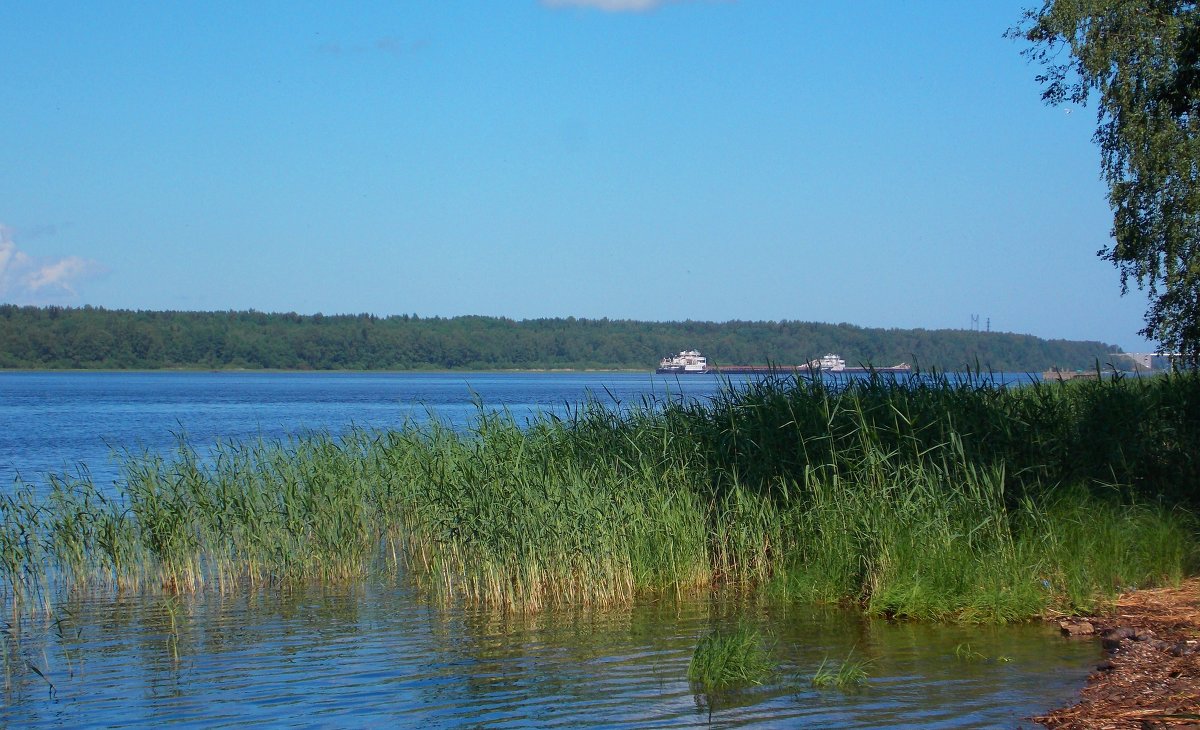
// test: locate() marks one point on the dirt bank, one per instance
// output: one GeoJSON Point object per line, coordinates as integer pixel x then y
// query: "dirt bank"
{"type": "Point", "coordinates": [1152, 676]}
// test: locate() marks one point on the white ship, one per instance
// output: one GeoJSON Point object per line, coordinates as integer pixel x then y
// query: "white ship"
{"type": "Point", "coordinates": [832, 363]}
{"type": "Point", "coordinates": [687, 362]}
{"type": "Point", "coordinates": [829, 363]}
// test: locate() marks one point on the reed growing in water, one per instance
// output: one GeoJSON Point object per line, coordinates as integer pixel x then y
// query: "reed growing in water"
{"type": "Point", "coordinates": [931, 499]}
{"type": "Point", "coordinates": [847, 675]}
{"type": "Point", "coordinates": [731, 658]}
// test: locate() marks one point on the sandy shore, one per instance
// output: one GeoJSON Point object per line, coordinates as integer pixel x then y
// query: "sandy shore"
{"type": "Point", "coordinates": [1152, 676]}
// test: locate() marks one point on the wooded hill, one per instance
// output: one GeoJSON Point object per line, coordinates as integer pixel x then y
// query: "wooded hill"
{"type": "Point", "coordinates": [88, 337]}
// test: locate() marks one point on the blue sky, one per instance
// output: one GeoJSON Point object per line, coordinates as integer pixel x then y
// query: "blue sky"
{"type": "Point", "coordinates": [881, 163]}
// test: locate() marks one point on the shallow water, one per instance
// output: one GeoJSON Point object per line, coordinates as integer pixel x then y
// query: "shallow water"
{"type": "Point", "coordinates": [380, 655]}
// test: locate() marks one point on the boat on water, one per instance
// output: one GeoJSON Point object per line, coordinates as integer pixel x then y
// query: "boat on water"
{"type": "Point", "coordinates": [832, 363]}
{"type": "Point", "coordinates": [691, 362]}
{"type": "Point", "coordinates": [687, 362]}
{"type": "Point", "coordinates": [829, 363]}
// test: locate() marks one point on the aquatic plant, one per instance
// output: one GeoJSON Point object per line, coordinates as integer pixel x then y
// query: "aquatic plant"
{"type": "Point", "coordinates": [729, 658]}
{"type": "Point", "coordinates": [963, 652]}
{"type": "Point", "coordinates": [849, 674]}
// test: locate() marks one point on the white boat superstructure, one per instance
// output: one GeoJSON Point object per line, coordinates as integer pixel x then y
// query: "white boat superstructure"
{"type": "Point", "coordinates": [829, 362]}
{"type": "Point", "coordinates": [687, 362]}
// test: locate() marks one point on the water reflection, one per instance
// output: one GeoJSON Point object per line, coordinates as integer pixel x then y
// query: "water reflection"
{"type": "Point", "coordinates": [375, 654]}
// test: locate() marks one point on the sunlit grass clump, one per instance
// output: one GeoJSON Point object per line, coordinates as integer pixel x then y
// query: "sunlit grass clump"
{"type": "Point", "coordinates": [846, 675]}
{"type": "Point", "coordinates": [731, 658]}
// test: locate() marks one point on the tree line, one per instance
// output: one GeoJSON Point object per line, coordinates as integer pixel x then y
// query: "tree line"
{"type": "Point", "coordinates": [90, 337]}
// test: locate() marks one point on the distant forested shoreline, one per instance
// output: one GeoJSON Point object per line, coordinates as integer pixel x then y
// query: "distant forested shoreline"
{"type": "Point", "coordinates": [96, 338]}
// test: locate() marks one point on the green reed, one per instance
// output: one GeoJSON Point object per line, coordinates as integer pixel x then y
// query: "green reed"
{"type": "Point", "coordinates": [848, 674]}
{"type": "Point", "coordinates": [730, 658]}
{"type": "Point", "coordinates": [935, 499]}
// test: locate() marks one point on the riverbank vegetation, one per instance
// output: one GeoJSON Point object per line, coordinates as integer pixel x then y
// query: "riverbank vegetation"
{"type": "Point", "coordinates": [56, 337]}
{"type": "Point", "coordinates": [931, 499]}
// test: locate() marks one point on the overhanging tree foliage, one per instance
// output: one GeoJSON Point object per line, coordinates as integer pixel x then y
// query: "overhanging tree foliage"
{"type": "Point", "coordinates": [1142, 58]}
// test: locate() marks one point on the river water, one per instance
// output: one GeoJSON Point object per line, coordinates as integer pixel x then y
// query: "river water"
{"type": "Point", "coordinates": [56, 421]}
{"type": "Point", "coordinates": [378, 654]}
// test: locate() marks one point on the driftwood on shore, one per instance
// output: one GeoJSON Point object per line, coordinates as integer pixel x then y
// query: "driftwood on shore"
{"type": "Point", "coordinates": [1152, 676]}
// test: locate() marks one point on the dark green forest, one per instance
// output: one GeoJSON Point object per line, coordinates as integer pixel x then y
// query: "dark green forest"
{"type": "Point", "coordinates": [88, 337]}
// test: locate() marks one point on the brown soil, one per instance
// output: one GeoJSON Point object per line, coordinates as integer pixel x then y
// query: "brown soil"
{"type": "Point", "coordinates": [1152, 676]}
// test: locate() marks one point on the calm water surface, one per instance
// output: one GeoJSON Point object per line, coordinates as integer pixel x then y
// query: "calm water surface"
{"type": "Point", "coordinates": [56, 421]}
{"type": "Point", "coordinates": [379, 654]}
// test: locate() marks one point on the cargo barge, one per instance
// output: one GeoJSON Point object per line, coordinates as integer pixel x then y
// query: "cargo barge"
{"type": "Point", "coordinates": [691, 362]}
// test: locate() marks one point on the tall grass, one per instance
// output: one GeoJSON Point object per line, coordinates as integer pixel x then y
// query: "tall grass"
{"type": "Point", "coordinates": [931, 499]}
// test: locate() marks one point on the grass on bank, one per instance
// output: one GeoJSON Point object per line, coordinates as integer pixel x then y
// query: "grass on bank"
{"type": "Point", "coordinates": [933, 499]}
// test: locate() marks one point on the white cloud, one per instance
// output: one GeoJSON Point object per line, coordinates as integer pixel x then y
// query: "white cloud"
{"type": "Point", "coordinates": [26, 279]}
{"type": "Point", "coordinates": [610, 6]}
